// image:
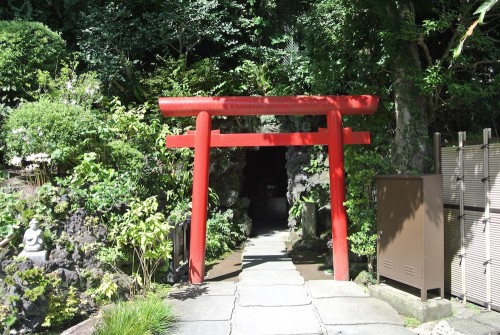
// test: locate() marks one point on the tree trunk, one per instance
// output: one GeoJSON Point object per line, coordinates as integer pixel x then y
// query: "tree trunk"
{"type": "Point", "coordinates": [410, 104]}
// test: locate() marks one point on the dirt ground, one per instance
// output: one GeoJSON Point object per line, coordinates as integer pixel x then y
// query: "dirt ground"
{"type": "Point", "coordinates": [310, 265]}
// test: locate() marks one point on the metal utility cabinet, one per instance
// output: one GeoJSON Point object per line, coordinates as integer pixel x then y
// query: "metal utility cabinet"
{"type": "Point", "coordinates": [410, 246]}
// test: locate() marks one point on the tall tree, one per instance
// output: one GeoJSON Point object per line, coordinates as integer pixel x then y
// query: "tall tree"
{"type": "Point", "coordinates": [402, 50]}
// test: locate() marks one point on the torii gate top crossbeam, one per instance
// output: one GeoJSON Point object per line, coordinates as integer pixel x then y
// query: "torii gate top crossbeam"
{"type": "Point", "coordinates": [246, 106]}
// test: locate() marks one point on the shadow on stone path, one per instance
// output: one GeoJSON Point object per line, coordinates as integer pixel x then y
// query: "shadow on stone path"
{"type": "Point", "coordinates": [271, 297]}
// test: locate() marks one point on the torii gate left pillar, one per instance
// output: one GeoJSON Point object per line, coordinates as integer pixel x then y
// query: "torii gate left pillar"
{"type": "Point", "coordinates": [203, 139]}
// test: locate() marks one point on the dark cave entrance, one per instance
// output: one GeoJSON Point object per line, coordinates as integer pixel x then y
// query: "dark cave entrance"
{"type": "Point", "coordinates": [265, 185]}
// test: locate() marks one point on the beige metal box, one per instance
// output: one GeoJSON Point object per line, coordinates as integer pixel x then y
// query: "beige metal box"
{"type": "Point", "coordinates": [410, 246]}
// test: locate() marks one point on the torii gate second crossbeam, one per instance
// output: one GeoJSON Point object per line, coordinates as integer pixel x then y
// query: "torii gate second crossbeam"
{"type": "Point", "coordinates": [203, 138]}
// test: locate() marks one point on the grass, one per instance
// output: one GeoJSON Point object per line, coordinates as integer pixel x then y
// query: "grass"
{"type": "Point", "coordinates": [410, 321]}
{"type": "Point", "coordinates": [144, 316]}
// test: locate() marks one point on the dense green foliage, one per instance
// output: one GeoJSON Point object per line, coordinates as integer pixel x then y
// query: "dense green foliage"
{"type": "Point", "coordinates": [223, 234]}
{"type": "Point", "coordinates": [403, 52]}
{"type": "Point", "coordinates": [10, 207]}
{"type": "Point", "coordinates": [61, 132]}
{"type": "Point", "coordinates": [26, 47]}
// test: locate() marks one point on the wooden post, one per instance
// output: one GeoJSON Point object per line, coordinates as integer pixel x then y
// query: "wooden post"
{"type": "Point", "coordinates": [200, 198]}
{"type": "Point", "coordinates": [337, 194]}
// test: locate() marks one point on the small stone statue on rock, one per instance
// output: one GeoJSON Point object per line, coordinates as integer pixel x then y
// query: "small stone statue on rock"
{"type": "Point", "coordinates": [33, 237]}
{"type": "Point", "coordinates": [33, 243]}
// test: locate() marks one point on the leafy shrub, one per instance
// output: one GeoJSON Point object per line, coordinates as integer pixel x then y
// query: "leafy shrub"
{"type": "Point", "coordinates": [69, 86]}
{"type": "Point", "coordinates": [146, 232]}
{"type": "Point", "coordinates": [150, 315]}
{"type": "Point", "coordinates": [97, 188]}
{"type": "Point", "coordinates": [125, 157]}
{"type": "Point", "coordinates": [61, 131]}
{"type": "Point", "coordinates": [24, 48]}
{"type": "Point", "coordinates": [7, 317]}
{"type": "Point", "coordinates": [362, 166]}
{"type": "Point", "coordinates": [222, 234]}
{"type": "Point", "coordinates": [132, 124]}
{"type": "Point", "coordinates": [11, 206]}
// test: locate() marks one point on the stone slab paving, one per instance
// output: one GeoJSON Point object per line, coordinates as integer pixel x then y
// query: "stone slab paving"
{"type": "Point", "coordinates": [472, 327]}
{"type": "Point", "coordinates": [255, 263]}
{"type": "Point", "coordinates": [356, 311]}
{"type": "Point", "coordinates": [202, 328]}
{"type": "Point", "coordinates": [377, 329]}
{"type": "Point", "coordinates": [331, 288]}
{"type": "Point", "coordinates": [271, 277]}
{"type": "Point", "coordinates": [184, 291]}
{"type": "Point", "coordinates": [275, 320]}
{"type": "Point", "coordinates": [490, 318]}
{"type": "Point", "coordinates": [256, 251]}
{"type": "Point", "coordinates": [265, 244]}
{"type": "Point", "coordinates": [277, 235]}
{"type": "Point", "coordinates": [204, 308]}
{"type": "Point", "coordinates": [273, 296]}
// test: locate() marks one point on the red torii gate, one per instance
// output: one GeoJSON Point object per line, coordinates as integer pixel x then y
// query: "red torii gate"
{"type": "Point", "coordinates": [202, 139]}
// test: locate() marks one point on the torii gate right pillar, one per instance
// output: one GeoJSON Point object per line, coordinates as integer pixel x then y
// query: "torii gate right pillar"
{"type": "Point", "coordinates": [337, 195]}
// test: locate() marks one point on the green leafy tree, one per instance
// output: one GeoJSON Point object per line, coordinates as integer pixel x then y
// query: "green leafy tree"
{"type": "Point", "coordinates": [183, 25]}
{"type": "Point", "coordinates": [120, 44]}
{"type": "Point", "coordinates": [403, 51]}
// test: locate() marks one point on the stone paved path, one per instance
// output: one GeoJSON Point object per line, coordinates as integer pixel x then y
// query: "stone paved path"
{"type": "Point", "coordinates": [272, 298]}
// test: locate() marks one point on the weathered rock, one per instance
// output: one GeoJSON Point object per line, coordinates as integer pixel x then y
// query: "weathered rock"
{"type": "Point", "coordinates": [76, 222]}
{"type": "Point", "coordinates": [226, 178]}
{"type": "Point", "coordinates": [58, 254]}
{"type": "Point", "coordinates": [33, 312]}
{"type": "Point", "coordinates": [25, 265]}
{"type": "Point", "coordinates": [58, 258]}
{"type": "Point", "coordinates": [308, 221]}
{"type": "Point", "coordinates": [309, 244]}
{"type": "Point", "coordinates": [77, 256]}
{"type": "Point", "coordinates": [52, 265]}
{"type": "Point", "coordinates": [364, 278]}
{"type": "Point", "coordinates": [123, 282]}
{"type": "Point", "coordinates": [69, 278]}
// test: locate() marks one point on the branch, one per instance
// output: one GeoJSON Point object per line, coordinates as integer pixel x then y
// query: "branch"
{"type": "Point", "coordinates": [486, 61]}
{"type": "Point", "coordinates": [450, 45]}
{"type": "Point", "coordinates": [175, 49]}
{"type": "Point", "coordinates": [427, 54]}
{"type": "Point", "coordinates": [6, 241]}
{"type": "Point", "coordinates": [492, 29]}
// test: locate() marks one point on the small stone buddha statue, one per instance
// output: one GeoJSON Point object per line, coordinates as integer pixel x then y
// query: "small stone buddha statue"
{"type": "Point", "coordinates": [33, 237]}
